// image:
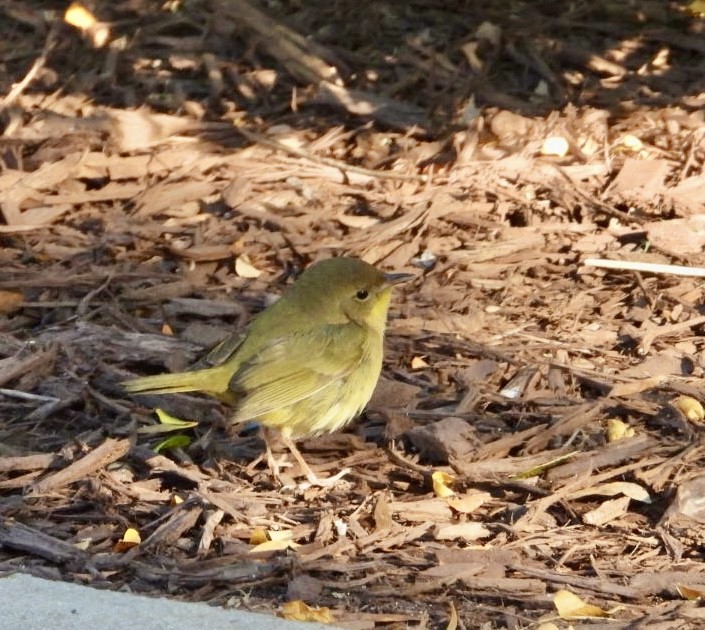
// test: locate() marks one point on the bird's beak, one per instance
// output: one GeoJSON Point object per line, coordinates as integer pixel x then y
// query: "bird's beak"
{"type": "Point", "coordinates": [397, 278]}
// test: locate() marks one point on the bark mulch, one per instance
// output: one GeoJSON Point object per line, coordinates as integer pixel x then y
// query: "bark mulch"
{"type": "Point", "coordinates": [168, 170]}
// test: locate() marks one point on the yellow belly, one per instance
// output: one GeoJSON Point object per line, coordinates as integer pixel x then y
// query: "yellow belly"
{"type": "Point", "coordinates": [334, 406]}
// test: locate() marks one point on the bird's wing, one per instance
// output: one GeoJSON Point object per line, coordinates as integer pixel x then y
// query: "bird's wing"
{"type": "Point", "coordinates": [296, 367]}
{"type": "Point", "coordinates": [220, 353]}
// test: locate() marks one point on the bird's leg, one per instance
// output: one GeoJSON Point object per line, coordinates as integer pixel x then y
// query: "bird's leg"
{"type": "Point", "coordinates": [273, 463]}
{"type": "Point", "coordinates": [313, 479]}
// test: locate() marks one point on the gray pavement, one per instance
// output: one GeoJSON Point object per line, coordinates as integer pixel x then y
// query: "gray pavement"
{"type": "Point", "coordinates": [30, 603]}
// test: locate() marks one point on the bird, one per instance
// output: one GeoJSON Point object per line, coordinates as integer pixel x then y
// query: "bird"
{"type": "Point", "coordinates": [306, 365]}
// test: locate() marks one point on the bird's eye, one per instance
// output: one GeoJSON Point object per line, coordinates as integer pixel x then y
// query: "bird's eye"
{"type": "Point", "coordinates": [362, 294]}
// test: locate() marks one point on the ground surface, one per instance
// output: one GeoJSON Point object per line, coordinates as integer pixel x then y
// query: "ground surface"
{"type": "Point", "coordinates": [158, 191]}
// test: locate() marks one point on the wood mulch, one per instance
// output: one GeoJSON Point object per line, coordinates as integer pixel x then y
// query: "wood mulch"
{"type": "Point", "coordinates": [158, 190]}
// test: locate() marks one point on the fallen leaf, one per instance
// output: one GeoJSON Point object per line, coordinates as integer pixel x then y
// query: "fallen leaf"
{"type": "Point", "coordinates": [555, 146]}
{"type": "Point", "coordinates": [691, 408]}
{"type": "Point", "coordinates": [627, 488]}
{"type": "Point", "coordinates": [245, 269]}
{"type": "Point", "coordinates": [300, 611]}
{"type": "Point", "coordinates": [79, 16]}
{"type": "Point", "coordinates": [696, 7]}
{"type": "Point", "coordinates": [440, 484]}
{"type": "Point", "coordinates": [690, 593]}
{"type": "Point", "coordinates": [274, 540]}
{"type": "Point", "coordinates": [175, 441]}
{"type": "Point", "coordinates": [258, 536]}
{"type": "Point", "coordinates": [469, 503]}
{"type": "Point", "coordinates": [131, 538]}
{"type": "Point", "coordinates": [10, 301]}
{"type": "Point", "coordinates": [631, 143]}
{"type": "Point", "coordinates": [167, 423]}
{"type": "Point", "coordinates": [463, 531]}
{"type": "Point", "coordinates": [607, 512]}
{"type": "Point", "coordinates": [618, 430]}
{"type": "Point", "coordinates": [418, 363]}
{"type": "Point", "coordinates": [570, 606]}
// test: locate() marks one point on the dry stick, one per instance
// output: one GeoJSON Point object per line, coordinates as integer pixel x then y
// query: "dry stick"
{"type": "Point", "coordinates": [302, 57]}
{"type": "Point", "coordinates": [342, 166]}
{"type": "Point", "coordinates": [633, 265]}
{"type": "Point", "coordinates": [676, 270]}
{"type": "Point", "coordinates": [38, 64]}
{"type": "Point", "coordinates": [109, 451]}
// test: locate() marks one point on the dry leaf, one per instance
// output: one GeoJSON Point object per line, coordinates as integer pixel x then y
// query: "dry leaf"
{"type": "Point", "coordinates": [607, 512]}
{"type": "Point", "coordinates": [635, 387]}
{"type": "Point", "coordinates": [469, 503]}
{"type": "Point", "coordinates": [690, 501]}
{"type": "Point", "coordinates": [630, 143]}
{"type": "Point", "coordinates": [258, 536]}
{"type": "Point", "coordinates": [167, 330]}
{"type": "Point", "coordinates": [556, 146]}
{"type": "Point", "coordinates": [131, 538]}
{"type": "Point", "coordinates": [696, 7]}
{"type": "Point", "coordinates": [299, 611]}
{"type": "Point", "coordinates": [691, 408]}
{"type": "Point", "coordinates": [359, 221]}
{"type": "Point", "coordinates": [618, 430]}
{"type": "Point", "coordinates": [79, 16]}
{"type": "Point", "coordinates": [627, 488]}
{"type": "Point", "coordinates": [690, 593]}
{"type": "Point", "coordinates": [10, 301]}
{"type": "Point", "coordinates": [245, 269]}
{"type": "Point", "coordinates": [462, 531]}
{"type": "Point", "coordinates": [418, 363]}
{"type": "Point", "coordinates": [274, 540]}
{"type": "Point", "coordinates": [570, 606]}
{"type": "Point", "coordinates": [440, 487]}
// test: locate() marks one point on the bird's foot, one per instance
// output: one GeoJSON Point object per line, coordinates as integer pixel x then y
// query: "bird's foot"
{"type": "Point", "coordinates": [314, 481]}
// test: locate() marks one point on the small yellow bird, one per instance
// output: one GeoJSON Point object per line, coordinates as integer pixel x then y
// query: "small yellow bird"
{"type": "Point", "coordinates": [308, 364]}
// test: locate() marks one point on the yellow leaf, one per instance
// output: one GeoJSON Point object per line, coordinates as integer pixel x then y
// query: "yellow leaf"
{"type": "Point", "coordinates": [79, 16]}
{"type": "Point", "coordinates": [271, 540]}
{"type": "Point", "coordinates": [555, 146]}
{"type": "Point", "coordinates": [176, 500]}
{"type": "Point", "coordinates": [131, 538]}
{"type": "Point", "coordinates": [131, 535]}
{"type": "Point", "coordinates": [299, 611]}
{"type": "Point", "coordinates": [539, 468]}
{"type": "Point", "coordinates": [570, 606]}
{"type": "Point", "coordinates": [631, 143]}
{"type": "Point", "coordinates": [274, 545]}
{"type": "Point", "coordinates": [689, 592]}
{"type": "Point", "coordinates": [280, 534]}
{"type": "Point", "coordinates": [258, 536]}
{"type": "Point", "coordinates": [10, 301]}
{"type": "Point", "coordinates": [418, 363]}
{"type": "Point", "coordinates": [440, 487]}
{"type": "Point", "coordinates": [690, 408]}
{"type": "Point", "coordinates": [697, 7]}
{"type": "Point", "coordinates": [469, 503]}
{"type": "Point", "coordinates": [167, 330]}
{"type": "Point", "coordinates": [245, 269]}
{"type": "Point", "coordinates": [618, 430]}
{"type": "Point", "coordinates": [167, 423]}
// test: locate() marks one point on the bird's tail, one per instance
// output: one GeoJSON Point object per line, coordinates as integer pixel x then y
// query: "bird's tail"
{"type": "Point", "coordinates": [212, 381]}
